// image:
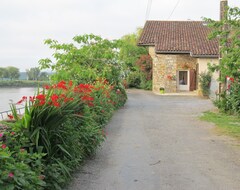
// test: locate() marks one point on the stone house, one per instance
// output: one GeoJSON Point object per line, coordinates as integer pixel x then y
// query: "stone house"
{"type": "Point", "coordinates": [180, 51]}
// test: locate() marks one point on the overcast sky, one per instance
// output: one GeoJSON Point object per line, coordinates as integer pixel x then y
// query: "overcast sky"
{"type": "Point", "coordinates": [24, 24]}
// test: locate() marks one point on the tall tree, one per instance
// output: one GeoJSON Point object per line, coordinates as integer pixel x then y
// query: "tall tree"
{"type": "Point", "coordinates": [44, 76]}
{"type": "Point", "coordinates": [3, 73]}
{"type": "Point", "coordinates": [13, 72]}
{"type": "Point", "coordinates": [228, 32]}
{"type": "Point", "coordinates": [89, 57]}
{"type": "Point", "coordinates": [33, 73]}
{"type": "Point", "coordinates": [129, 51]}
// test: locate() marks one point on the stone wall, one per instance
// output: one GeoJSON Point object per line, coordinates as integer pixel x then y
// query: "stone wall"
{"type": "Point", "coordinates": [165, 67]}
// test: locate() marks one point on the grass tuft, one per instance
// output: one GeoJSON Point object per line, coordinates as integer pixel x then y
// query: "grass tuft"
{"type": "Point", "coordinates": [227, 124]}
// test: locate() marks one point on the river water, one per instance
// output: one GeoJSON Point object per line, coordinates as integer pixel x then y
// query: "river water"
{"type": "Point", "coordinates": [8, 95]}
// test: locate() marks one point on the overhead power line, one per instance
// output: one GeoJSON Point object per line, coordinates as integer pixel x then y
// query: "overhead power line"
{"type": "Point", "coordinates": [174, 9]}
{"type": "Point", "coordinates": [149, 5]}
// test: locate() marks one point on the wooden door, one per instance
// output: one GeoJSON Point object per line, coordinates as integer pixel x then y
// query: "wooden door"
{"type": "Point", "coordinates": [193, 85]}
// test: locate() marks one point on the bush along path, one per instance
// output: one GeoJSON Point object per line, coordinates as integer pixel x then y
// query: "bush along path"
{"type": "Point", "coordinates": [61, 126]}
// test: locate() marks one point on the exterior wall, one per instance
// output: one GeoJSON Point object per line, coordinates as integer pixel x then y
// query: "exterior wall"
{"type": "Point", "coordinates": [203, 67]}
{"type": "Point", "coordinates": [165, 65]}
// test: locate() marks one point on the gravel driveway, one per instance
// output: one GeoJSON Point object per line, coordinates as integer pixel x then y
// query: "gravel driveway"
{"type": "Point", "coordinates": [158, 143]}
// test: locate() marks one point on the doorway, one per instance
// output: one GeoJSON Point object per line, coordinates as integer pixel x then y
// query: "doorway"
{"type": "Point", "coordinates": [183, 80]}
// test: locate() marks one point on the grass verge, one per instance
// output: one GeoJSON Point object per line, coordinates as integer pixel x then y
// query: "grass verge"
{"type": "Point", "coordinates": [22, 83]}
{"type": "Point", "coordinates": [229, 125]}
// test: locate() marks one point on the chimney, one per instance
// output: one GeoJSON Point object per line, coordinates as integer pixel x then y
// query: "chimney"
{"type": "Point", "coordinates": [223, 9]}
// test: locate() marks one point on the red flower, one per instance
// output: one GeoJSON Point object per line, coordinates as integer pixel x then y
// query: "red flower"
{"type": "Point", "coordinates": [24, 98]}
{"type": "Point", "coordinates": [54, 97]}
{"type": "Point", "coordinates": [11, 175]}
{"type": "Point", "coordinates": [68, 99]}
{"type": "Point", "coordinates": [10, 116]}
{"type": "Point", "coordinates": [12, 133]}
{"type": "Point", "coordinates": [32, 98]}
{"type": "Point", "coordinates": [4, 146]}
{"type": "Point", "coordinates": [87, 98]}
{"type": "Point", "coordinates": [56, 104]}
{"type": "Point", "coordinates": [70, 83]}
{"type": "Point", "coordinates": [40, 97]}
{"type": "Point", "coordinates": [20, 101]}
{"type": "Point", "coordinates": [41, 103]}
{"type": "Point", "coordinates": [62, 85]}
{"type": "Point", "coordinates": [62, 96]}
{"type": "Point", "coordinates": [47, 87]}
{"type": "Point", "coordinates": [1, 135]}
{"type": "Point", "coordinates": [85, 88]}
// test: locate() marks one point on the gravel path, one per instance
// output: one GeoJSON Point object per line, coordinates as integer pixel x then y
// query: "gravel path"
{"type": "Point", "coordinates": [158, 143]}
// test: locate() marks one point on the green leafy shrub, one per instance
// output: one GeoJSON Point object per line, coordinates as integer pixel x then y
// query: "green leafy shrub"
{"type": "Point", "coordinates": [61, 126]}
{"type": "Point", "coordinates": [21, 168]}
{"type": "Point", "coordinates": [89, 57]}
{"type": "Point", "coordinates": [229, 100]}
{"type": "Point", "coordinates": [134, 79]}
{"type": "Point", "coordinates": [205, 81]}
{"type": "Point", "coordinates": [19, 83]}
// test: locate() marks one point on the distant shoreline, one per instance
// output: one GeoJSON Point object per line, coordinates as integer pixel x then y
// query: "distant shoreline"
{"type": "Point", "coordinates": [22, 83]}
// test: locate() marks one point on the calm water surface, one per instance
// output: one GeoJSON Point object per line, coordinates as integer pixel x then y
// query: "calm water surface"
{"type": "Point", "coordinates": [14, 94]}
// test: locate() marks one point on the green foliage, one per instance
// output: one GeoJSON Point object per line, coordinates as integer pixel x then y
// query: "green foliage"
{"type": "Point", "coordinates": [3, 73]}
{"type": "Point", "coordinates": [146, 85]}
{"type": "Point", "coordinates": [205, 81]}
{"type": "Point", "coordinates": [44, 76]}
{"type": "Point", "coordinates": [136, 61]}
{"type": "Point", "coordinates": [19, 83]}
{"type": "Point", "coordinates": [130, 52]}
{"type": "Point", "coordinates": [60, 127]}
{"type": "Point", "coordinates": [229, 101]}
{"type": "Point", "coordinates": [134, 79]}
{"type": "Point", "coordinates": [89, 57]}
{"type": "Point", "coordinates": [12, 73]}
{"type": "Point", "coordinates": [33, 73]}
{"type": "Point", "coordinates": [20, 167]}
{"type": "Point", "coordinates": [227, 31]}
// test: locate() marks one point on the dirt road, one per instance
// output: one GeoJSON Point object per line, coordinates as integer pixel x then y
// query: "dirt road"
{"type": "Point", "coordinates": [158, 143]}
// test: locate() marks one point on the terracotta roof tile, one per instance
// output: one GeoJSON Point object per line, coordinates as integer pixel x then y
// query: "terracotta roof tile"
{"type": "Point", "coordinates": [179, 37]}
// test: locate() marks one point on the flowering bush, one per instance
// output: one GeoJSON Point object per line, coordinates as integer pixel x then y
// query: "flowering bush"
{"type": "Point", "coordinates": [20, 169]}
{"type": "Point", "coordinates": [61, 126]}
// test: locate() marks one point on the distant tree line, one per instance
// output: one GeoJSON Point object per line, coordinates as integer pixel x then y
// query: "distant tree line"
{"type": "Point", "coordinates": [9, 73]}
{"type": "Point", "coordinates": [13, 73]}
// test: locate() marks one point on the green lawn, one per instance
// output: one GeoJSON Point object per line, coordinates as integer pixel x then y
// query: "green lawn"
{"type": "Point", "coordinates": [229, 125]}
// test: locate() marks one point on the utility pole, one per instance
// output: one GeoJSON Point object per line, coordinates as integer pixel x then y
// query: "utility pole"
{"type": "Point", "coordinates": [223, 16]}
